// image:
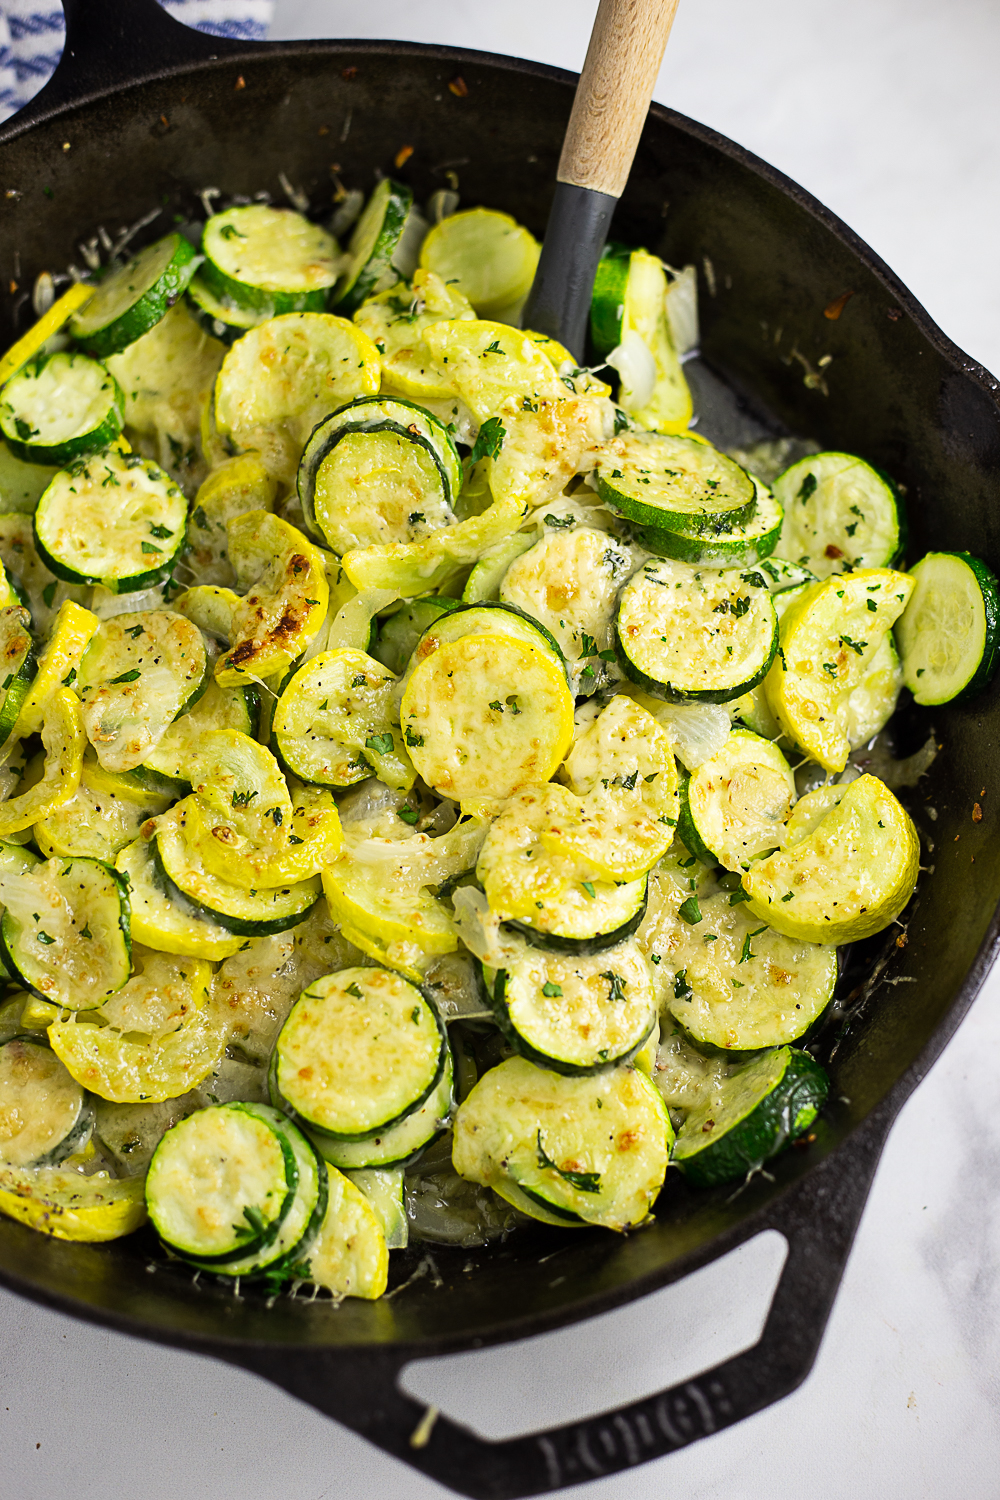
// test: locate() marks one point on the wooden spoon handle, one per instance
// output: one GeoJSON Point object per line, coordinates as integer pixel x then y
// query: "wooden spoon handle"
{"type": "Point", "coordinates": [612, 98]}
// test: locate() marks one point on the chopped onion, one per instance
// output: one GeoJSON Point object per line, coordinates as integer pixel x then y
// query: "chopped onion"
{"type": "Point", "coordinates": [637, 368]}
{"type": "Point", "coordinates": [698, 730]}
{"type": "Point", "coordinates": [682, 310]}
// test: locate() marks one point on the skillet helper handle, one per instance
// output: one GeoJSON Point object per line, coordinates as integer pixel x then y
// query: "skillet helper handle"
{"type": "Point", "coordinates": [818, 1217]}
{"type": "Point", "coordinates": [110, 43]}
{"type": "Point", "coordinates": [609, 111]}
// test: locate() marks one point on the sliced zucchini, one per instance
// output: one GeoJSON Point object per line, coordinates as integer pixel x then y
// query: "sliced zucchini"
{"type": "Point", "coordinates": [360, 1052]}
{"type": "Point", "coordinates": [350, 1254]}
{"type": "Point", "coordinates": [332, 724]}
{"type": "Point", "coordinates": [113, 519]}
{"type": "Point", "coordinates": [238, 485]}
{"type": "Point", "coordinates": [158, 1041]}
{"type": "Point", "coordinates": [268, 260]}
{"type": "Point", "coordinates": [378, 471]}
{"type": "Point", "coordinates": [246, 913]}
{"type": "Point", "coordinates": [487, 619]}
{"type": "Point", "coordinates": [290, 372]}
{"type": "Point", "coordinates": [220, 317]}
{"type": "Point", "coordinates": [381, 251]}
{"type": "Point", "coordinates": [233, 708]}
{"type": "Point", "coordinates": [840, 514]}
{"type": "Point", "coordinates": [575, 1015]}
{"type": "Point", "coordinates": [829, 637]}
{"type": "Point", "coordinates": [383, 1189]}
{"type": "Point", "coordinates": [754, 1113]}
{"type": "Point", "coordinates": [380, 890]}
{"type": "Point", "coordinates": [707, 633]}
{"type": "Point", "coordinates": [399, 1145]}
{"type": "Point", "coordinates": [72, 631]}
{"type": "Point", "coordinates": [395, 321]}
{"type": "Point", "coordinates": [487, 255]}
{"type": "Point", "coordinates": [483, 584]}
{"type": "Point", "coordinates": [165, 920]}
{"type": "Point", "coordinates": [733, 982]}
{"type": "Point", "coordinates": [284, 600]}
{"type": "Point", "coordinates": [675, 484]}
{"type": "Point", "coordinates": [60, 407]}
{"type": "Point", "coordinates": [741, 546]}
{"type": "Point", "coordinates": [131, 299]}
{"type": "Point", "coordinates": [849, 878]}
{"type": "Point", "coordinates": [70, 1206]}
{"type": "Point", "coordinates": [949, 632]}
{"type": "Point", "coordinates": [569, 583]}
{"type": "Point", "coordinates": [873, 702]}
{"type": "Point", "coordinates": [593, 1149]}
{"type": "Point", "coordinates": [630, 301]}
{"type": "Point", "coordinates": [399, 634]}
{"type": "Point", "coordinates": [734, 805]}
{"type": "Point", "coordinates": [485, 715]}
{"type": "Point", "coordinates": [558, 903]}
{"type": "Point", "coordinates": [17, 655]}
{"type": "Point", "coordinates": [138, 673]}
{"type": "Point", "coordinates": [65, 931]}
{"type": "Point", "coordinates": [64, 742]}
{"type": "Point", "coordinates": [104, 815]}
{"type": "Point", "coordinates": [44, 1113]}
{"type": "Point", "coordinates": [623, 770]}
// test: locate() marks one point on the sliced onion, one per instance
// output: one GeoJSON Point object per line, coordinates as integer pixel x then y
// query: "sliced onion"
{"type": "Point", "coordinates": [637, 368]}
{"type": "Point", "coordinates": [682, 310]}
{"type": "Point", "coordinates": [698, 730]}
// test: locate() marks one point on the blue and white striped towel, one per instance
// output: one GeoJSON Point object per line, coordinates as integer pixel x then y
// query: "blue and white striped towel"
{"type": "Point", "coordinates": [31, 37]}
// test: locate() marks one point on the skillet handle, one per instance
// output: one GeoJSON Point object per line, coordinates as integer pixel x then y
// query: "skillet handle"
{"type": "Point", "coordinates": [111, 43]}
{"type": "Point", "coordinates": [818, 1218]}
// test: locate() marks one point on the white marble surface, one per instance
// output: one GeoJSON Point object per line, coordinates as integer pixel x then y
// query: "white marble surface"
{"type": "Point", "coordinates": [889, 112]}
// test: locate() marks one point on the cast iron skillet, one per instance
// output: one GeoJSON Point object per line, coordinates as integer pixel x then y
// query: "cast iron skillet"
{"type": "Point", "coordinates": [153, 112]}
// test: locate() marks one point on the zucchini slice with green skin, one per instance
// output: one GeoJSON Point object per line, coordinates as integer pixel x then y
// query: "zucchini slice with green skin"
{"type": "Point", "coordinates": [848, 878]}
{"type": "Point", "coordinates": [162, 918]}
{"type": "Point", "coordinates": [593, 1148]}
{"type": "Point", "coordinates": [60, 407]}
{"type": "Point", "coordinates": [708, 633]}
{"type": "Point", "coordinates": [383, 1188]}
{"type": "Point", "coordinates": [735, 804]}
{"type": "Point", "coordinates": [576, 922]}
{"type": "Point", "coordinates": [486, 619]}
{"type": "Point", "coordinates": [398, 635]}
{"type": "Point", "coordinates": [631, 302]}
{"type": "Point", "coordinates": [131, 299]}
{"type": "Point", "coordinates": [114, 519]}
{"type": "Point", "coordinates": [332, 725]}
{"type": "Point", "coordinates": [380, 252]}
{"type": "Point", "coordinates": [487, 255]}
{"type": "Point", "coordinates": [360, 1052]}
{"type": "Point", "coordinates": [569, 581]}
{"type": "Point", "coordinates": [607, 302]}
{"type": "Point", "coordinates": [19, 665]}
{"type": "Point", "coordinates": [740, 546]}
{"type": "Point", "coordinates": [483, 584]}
{"type": "Point", "coordinates": [138, 674]}
{"type": "Point", "coordinates": [245, 913]}
{"type": "Point", "coordinates": [734, 983]}
{"type": "Point", "coordinates": [46, 1114]}
{"type": "Point", "coordinates": [574, 1015]}
{"type": "Point", "coordinates": [675, 484]}
{"type": "Point", "coordinates": [221, 1183]}
{"type": "Point", "coordinates": [398, 1146]}
{"type": "Point", "coordinates": [949, 632]}
{"type": "Point", "coordinates": [377, 471]}
{"type": "Point", "coordinates": [268, 260]}
{"type": "Point", "coordinates": [218, 316]}
{"type": "Point", "coordinates": [65, 931]}
{"type": "Point", "coordinates": [840, 514]}
{"type": "Point", "coordinates": [753, 1114]}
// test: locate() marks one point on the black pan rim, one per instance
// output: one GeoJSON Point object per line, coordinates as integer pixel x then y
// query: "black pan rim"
{"type": "Point", "coordinates": [879, 1120]}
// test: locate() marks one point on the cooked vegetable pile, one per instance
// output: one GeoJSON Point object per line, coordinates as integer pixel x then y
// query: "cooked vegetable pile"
{"type": "Point", "coordinates": [400, 833]}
